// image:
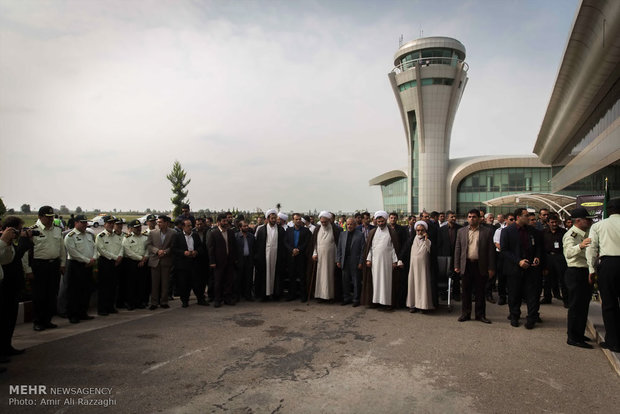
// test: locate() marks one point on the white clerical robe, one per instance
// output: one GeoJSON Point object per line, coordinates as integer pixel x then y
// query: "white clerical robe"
{"type": "Point", "coordinates": [419, 288]}
{"type": "Point", "coordinates": [382, 255]}
{"type": "Point", "coordinates": [326, 252]}
{"type": "Point", "coordinates": [271, 257]}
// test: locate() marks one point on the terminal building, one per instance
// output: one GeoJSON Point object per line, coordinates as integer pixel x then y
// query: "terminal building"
{"type": "Point", "coordinates": [578, 145]}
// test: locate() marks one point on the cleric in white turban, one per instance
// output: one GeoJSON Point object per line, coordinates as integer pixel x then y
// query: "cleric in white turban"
{"type": "Point", "coordinates": [381, 213]}
{"type": "Point", "coordinates": [325, 214]}
{"type": "Point", "coordinates": [270, 212]}
{"type": "Point", "coordinates": [421, 223]}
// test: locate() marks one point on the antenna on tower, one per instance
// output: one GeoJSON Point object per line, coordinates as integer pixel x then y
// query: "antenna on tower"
{"type": "Point", "coordinates": [400, 41]}
{"type": "Point", "coordinates": [421, 31]}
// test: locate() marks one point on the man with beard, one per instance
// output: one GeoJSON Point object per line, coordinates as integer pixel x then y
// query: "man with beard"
{"type": "Point", "coordinates": [323, 247]}
{"type": "Point", "coordinates": [222, 256]}
{"type": "Point", "coordinates": [205, 275]}
{"type": "Point", "coordinates": [244, 282]}
{"type": "Point", "coordinates": [380, 279]}
{"type": "Point", "coordinates": [296, 241]}
{"type": "Point", "coordinates": [269, 258]}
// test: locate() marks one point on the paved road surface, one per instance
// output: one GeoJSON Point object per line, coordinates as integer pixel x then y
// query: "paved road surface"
{"type": "Point", "coordinates": [292, 358]}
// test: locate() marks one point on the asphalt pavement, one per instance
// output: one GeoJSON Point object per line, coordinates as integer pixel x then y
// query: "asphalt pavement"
{"type": "Point", "coordinates": [288, 357]}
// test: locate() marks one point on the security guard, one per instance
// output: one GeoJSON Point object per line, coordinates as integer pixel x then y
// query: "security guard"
{"type": "Point", "coordinates": [578, 285]}
{"type": "Point", "coordinates": [48, 259]}
{"type": "Point", "coordinates": [606, 246]}
{"type": "Point", "coordinates": [136, 270]}
{"type": "Point", "coordinates": [151, 221]}
{"type": "Point", "coordinates": [120, 291]}
{"type": "Point", "coordinates": [80, 245]}
{"type": "Point", "coordinates": [110, 250]}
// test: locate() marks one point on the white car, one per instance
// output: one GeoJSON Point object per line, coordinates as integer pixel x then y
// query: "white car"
{"type": "Point", "coordinates": [96, 221]}
{"type": "Point", "coordinates": [142, 219]}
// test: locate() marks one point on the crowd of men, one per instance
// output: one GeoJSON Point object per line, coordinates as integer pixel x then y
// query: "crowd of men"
{"type": "Point", "coordinates": [360, 260]}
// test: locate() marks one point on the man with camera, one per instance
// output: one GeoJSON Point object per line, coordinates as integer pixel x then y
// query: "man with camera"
{"type": "Point", "coordinates": [80, 246]}
{"type": "Point", "coordinates": [47, 262]}
{"type": "Point", "coordinates": [16, 242]}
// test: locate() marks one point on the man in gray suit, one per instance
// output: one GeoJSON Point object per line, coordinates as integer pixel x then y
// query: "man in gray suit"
{"type": "Point", "coordinates": [474, 260]}
{"type": "Point", "coordinates": [349, 258]}
{"type": "Point", "coordinates": [159, 246]}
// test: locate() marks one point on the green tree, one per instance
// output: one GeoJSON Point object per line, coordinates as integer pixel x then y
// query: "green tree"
{"type": "Point", "coordinates": [177, 179]}
{"type": "Point", "coordinates": [78, 210]}
{"type": "Point", "coordinates": [2, 208]}
{"type": "Point", "coordinates": [25, 208]}
{"type": "Point", "coordinates": [64, 209]}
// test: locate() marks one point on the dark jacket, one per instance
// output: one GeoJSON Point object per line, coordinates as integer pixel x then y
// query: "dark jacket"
{"type": "Point", "coordinates": [445, 247]}
{"type": "Point", "coordinates": [512, 253]}
{"type": "Point", "coordinates": [179, 247]}
{"type": "Point", "coordinates": [357, 248]}
{"type": "Point", "coordinates": [302, 244]}
{"type": "Point", "coordinates": [240, 243]}
{"type": "Point", "coordinates": [216, 247]}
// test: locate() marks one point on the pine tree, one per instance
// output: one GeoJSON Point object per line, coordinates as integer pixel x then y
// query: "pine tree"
{"type": "Point", "coordinates": [177, 179]}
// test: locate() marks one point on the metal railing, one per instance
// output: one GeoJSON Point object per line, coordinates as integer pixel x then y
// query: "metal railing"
{"type": "Point", "coordinates": [422, 62]}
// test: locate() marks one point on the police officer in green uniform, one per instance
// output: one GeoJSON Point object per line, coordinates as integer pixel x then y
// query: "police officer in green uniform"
{"type": "Point", "coordinates": [80, 245]}
{"type": "Point", "coordinates": [151, 222]}
{"type": "Point", "coordinates": [577, 279]}
{"type": "Point", "coordinates": [47, 262]}
{"type": "Point", "coordinates": [110, 250]}
{"type": "Point", "coordinates": [136, 270]}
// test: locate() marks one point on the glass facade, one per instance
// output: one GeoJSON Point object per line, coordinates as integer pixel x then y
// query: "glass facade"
{"type": "Point", "coordinates": [395, 195]}
{"type": "Point", "coordinates": [442, 56]}
{"type": "Point", "coordinates": [485, 185]}
{"type": "Point", "coordinates": [426, 82]}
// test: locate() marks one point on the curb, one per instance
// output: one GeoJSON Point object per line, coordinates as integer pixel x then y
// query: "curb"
{"type": "Point", "coordinates": [597, 330]}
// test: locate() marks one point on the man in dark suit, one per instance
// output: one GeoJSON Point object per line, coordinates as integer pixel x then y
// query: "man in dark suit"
{"type": "Point", "coordinates": [186, 248]}
{"type": "Point", "coordinates": [365, 227]}
{"type": "Point", "coordinates": [222, 250]}
{"type": "Point", "coordinates": [204, 272]}
{"type": "Point", "coordinates": [244, 282]}
{"type": "Point", "coordinates": [269, 258]}
{"type": "Point", "coordinates": [521, 250]}
{"type": "Point", "coordinates": [446, 242]}
{"type": "Point", "coordinates": [159, 247]}
{"type": "Point", "coordinates": [349, 258]}
{"type": "Point", "coordinates": [296, 240]}
{"type": "Point", "coordinates": [474, 260]}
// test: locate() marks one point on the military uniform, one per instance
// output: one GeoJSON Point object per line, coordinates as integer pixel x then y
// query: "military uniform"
{"type": "Point", "coordinates": [47, 258]}
{"type": "Point", "coordinates": [577, 283]}
{"type": "Point", "coordinates": [134, 248]}
{"type": "Point", "coordinates": [109, 249]}
{"type": "Point", "coordinates": [81, 250]}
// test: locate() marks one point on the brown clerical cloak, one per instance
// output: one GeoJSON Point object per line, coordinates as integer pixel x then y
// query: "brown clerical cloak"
{"type": "Point", "coordinates": [367, 288]}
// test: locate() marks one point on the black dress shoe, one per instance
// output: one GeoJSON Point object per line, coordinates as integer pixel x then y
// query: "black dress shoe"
{"type": "Point", "coordinates": [414, 310]}
{"type": "Point", "coordinates": [483, 319]}
{"type": "Point", "coordinates": [538, 320]}
{"type": "Point", "coordinates": [604, 345]}
{"type": "Point", "coordinates": [229, 302]}
{"type": "Point", "coordinates": [113, 310]}
{"type": "Point", "coordinates": [464, 318]}
{"type": "Point", "coordinates": [102, 313]}
{"type": "Point", "coordinates": [86, 317]}
{"type": "Point", "coordinates": [579, 344]}
{"type": "Point", "coordinates": [530, 324]}
{"type": "Point", "coordinates": [217, 304]}
{"type": "Point", "coordinates": [490, 299]}
{"type": "Point", "coordinates": [165, 306]}
{"type": "Point", "coordinates": [50, 325]}
{"type": "Point", "coordinates": [356, 304]}
{"type": "Point", "coordinates": [203, 303]}
{"type": "Point", "coordinates": [346, 302]}
{"type": "Point", "coordinates": [13, 351]}
{"type": "Point", "coordinates": [249, 298]}
{"type": "Point", "coordinates": [501, 301]}
{"type": "Point", "coordinates": [185, 305]}
{"type": "Point", "coordinates": [289, 299]}
{"type": "Point", "coordinates": [586, 339]}
{"type": "Point", "coordinates": [152, 307]}
{"type": "Point", "coordinates": [74, 320]}
{"type": "Point", "coordinates": [514, 323]}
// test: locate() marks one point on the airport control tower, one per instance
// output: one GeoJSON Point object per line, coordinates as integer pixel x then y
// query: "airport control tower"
{"type": "Point", "coordinates": [428, 80]}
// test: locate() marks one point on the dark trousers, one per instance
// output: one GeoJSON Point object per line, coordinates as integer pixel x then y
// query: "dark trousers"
{"type": "Point", "coordinates": [244, 282]}
{"type": "Point", "coordinates": [79, 288]}
{"type": "Point", "coordinates": [135, 279]}
{"type": "Point", "coordinates": [351, 282]}
{"type": "Point", "coordinates": [122, 284]}
{"type": "Point", "coordinates": [473, 279]}
{"type": "Point", "coordinates": [211, 284]}
{"type": "Point", "coordinates": [499, 274]}
{"type": "Point", "coordinates": [187, 279]}
{"type": "Point", "coordinates": [107, 280]}
{"type": "Point", "coordinates": [609, 288]}
{"type": "Point", "coordinates": [203, 271]}
{"type": "Point", "coordinates": [45, 289]}
{"type": "Point", "coordinates": [524, 283]}
{"type": "Point", "coordinates": [579, 295]}
{"type": "Point", "coordinates": [224, 276]}
{"type": "Point", "coordinates": [554, 280]}
{"type": "Point", "coordinates": [9, 306]}
{"type": "Point", "coordinates": [297, 277]}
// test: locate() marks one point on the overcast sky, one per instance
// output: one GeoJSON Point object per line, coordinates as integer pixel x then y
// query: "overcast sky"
{"type": "Point", "coordinates": [261, 101]}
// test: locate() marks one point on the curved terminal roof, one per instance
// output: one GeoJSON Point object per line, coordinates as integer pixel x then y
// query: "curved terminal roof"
{"type": "Point", "coordinates": [588, 70]}
{"type": "Point", "coordinates": [554, 202]}
{"type": "Point", "coordinates": [428, 43]}
{"type": "Point", "coordinates": [388, 177]}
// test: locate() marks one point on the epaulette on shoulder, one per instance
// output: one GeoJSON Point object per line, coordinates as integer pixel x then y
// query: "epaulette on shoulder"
{"type": "Point", "coordinates": [71, 233]}
{"type": "Point", "coordinates": [573, 234]}
{"type": "Point", "coordinates": [145, 233]}
{"type": "Point", "coordinates": [102, 234]}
